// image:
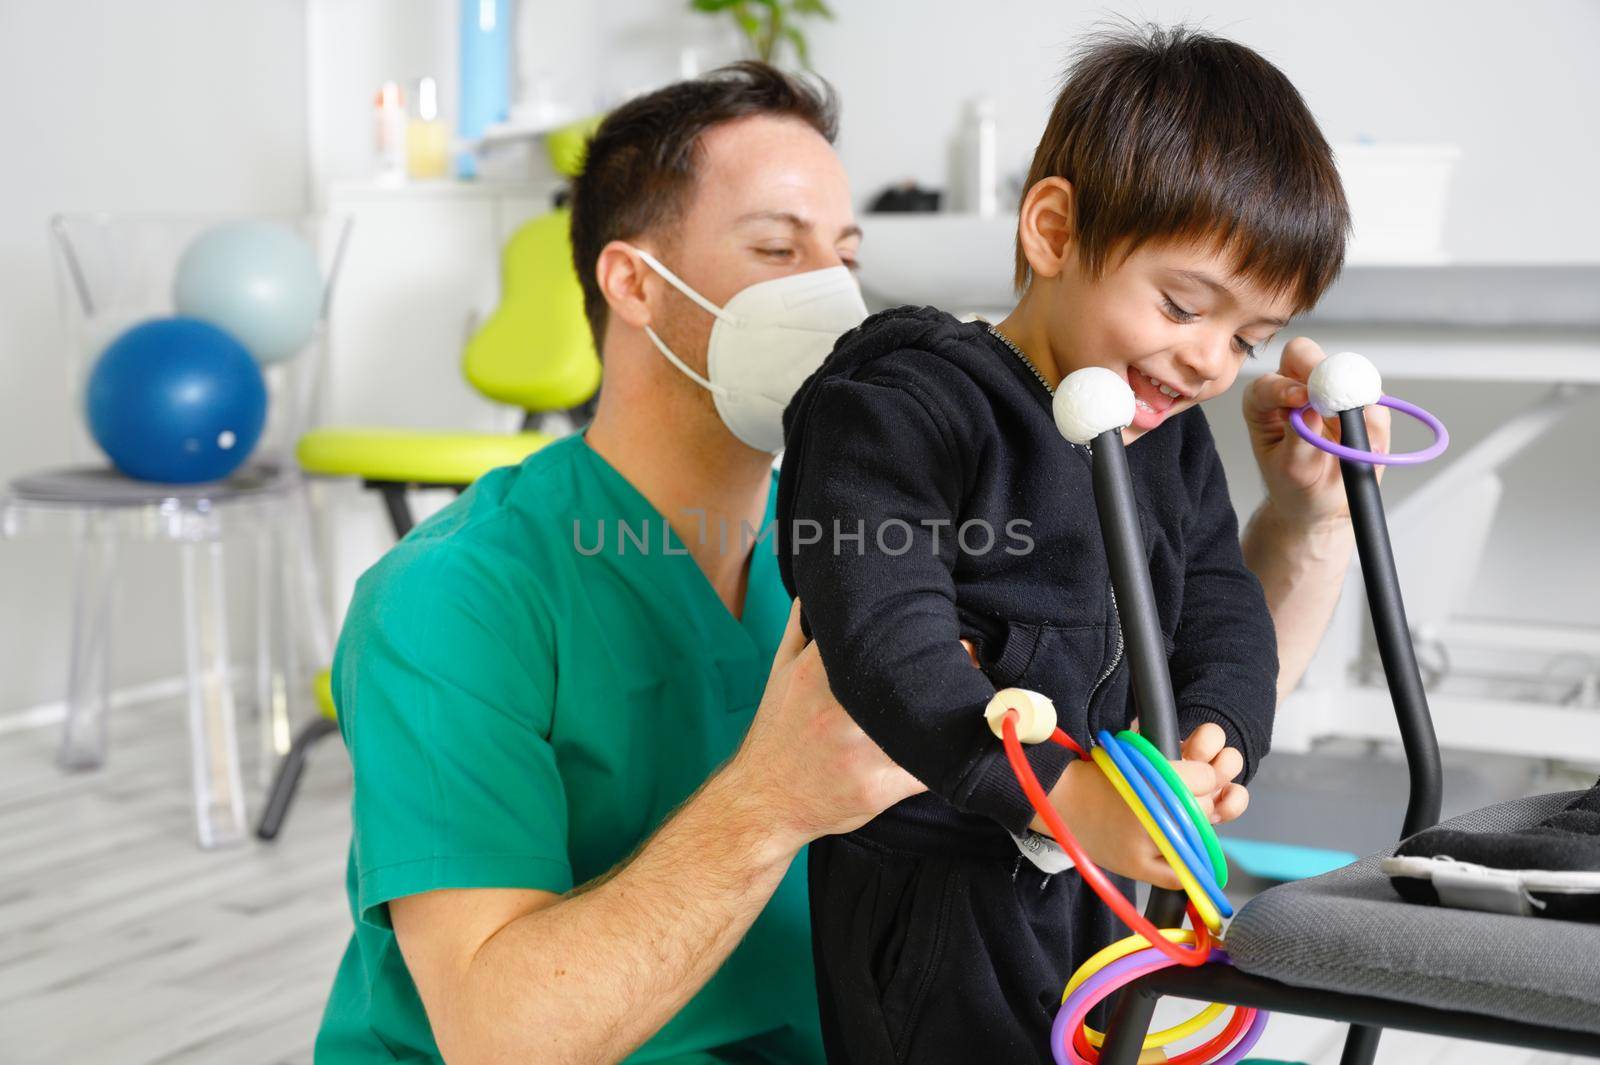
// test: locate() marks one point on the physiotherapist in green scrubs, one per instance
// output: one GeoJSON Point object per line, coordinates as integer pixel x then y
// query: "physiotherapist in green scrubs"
{"type": "Point", "coordinates": [589, 743]}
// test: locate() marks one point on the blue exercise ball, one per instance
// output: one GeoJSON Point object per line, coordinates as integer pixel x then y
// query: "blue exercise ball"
{"type": "Point", "coordinates": [258, 280]}
{"type": "Point", "coordinates": [176, 400]}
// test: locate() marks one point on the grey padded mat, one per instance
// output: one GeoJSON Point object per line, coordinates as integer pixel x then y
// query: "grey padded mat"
{"type": "Point", "coordinates": [1349, 931]}
{"type": "Point", "coordinates": [105, 487]}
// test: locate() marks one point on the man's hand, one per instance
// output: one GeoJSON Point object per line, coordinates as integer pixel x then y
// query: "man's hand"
{"type": "Point", "coordinates": [1303, 483]}
{"type": "Point", "coordinates": [816, 772]}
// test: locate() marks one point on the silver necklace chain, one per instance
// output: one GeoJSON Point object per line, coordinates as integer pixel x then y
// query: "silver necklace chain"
{"type": "Point", "coordinates": [1037, 376]}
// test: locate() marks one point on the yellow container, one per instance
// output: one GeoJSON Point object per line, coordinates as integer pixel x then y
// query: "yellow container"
{"type": "Point", "coordinates": [427, 150]}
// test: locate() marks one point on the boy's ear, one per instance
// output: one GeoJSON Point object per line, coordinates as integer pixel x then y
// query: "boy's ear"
{"type": "Point", "coordinates": [1045, 225]}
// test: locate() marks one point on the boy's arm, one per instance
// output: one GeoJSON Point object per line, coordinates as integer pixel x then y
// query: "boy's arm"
{"type": "Point", "coordinates": [879, 463]}
{"type": "Point", "coordinates": [1225, 667]}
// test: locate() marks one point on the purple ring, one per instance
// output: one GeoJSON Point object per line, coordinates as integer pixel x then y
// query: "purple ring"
{"type": "Point", "coordinates": [1441, 437]}
{"type": "Point", "coordinates": [1123, 971]}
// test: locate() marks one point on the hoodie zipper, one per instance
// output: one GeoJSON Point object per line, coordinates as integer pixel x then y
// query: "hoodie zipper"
{"type": "Point", "coordinates": [1116, 615]}
{"type": "Point", "coordinates": [1116, 657]}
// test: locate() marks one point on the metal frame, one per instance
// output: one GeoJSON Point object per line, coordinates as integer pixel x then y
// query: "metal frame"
{"type": "Point", "coordinates": [1223, 983]}
{"type": "Point", "coordinates": [1368, 1016]}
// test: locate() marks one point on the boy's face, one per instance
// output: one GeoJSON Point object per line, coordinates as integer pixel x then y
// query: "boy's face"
{"type": "Point", "coordinates": [1176, 320]}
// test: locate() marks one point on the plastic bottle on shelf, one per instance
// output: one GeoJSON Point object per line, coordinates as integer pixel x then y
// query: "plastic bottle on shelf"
{"type": "Point", "coordinates": [389, 133]}
{"type": "Point", "coordinates": [975, 180]}
{"type": "Point", "coordinates": [427, 139]}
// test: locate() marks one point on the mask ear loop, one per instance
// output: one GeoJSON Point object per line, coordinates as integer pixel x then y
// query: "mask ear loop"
{"type": "Point", "coordinates": [711, 308]}
{"type": "Point", "coordinates": [678, 283]}
{"type": "Point", "coordinates": [679, 363]}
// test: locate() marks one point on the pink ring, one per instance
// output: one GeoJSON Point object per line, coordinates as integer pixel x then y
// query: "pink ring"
{"type": "Point", "coordinates": [1441, 437]}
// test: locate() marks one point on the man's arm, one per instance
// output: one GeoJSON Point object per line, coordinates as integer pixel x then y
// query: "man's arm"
{"type": "Point", "coordinates": [519, 976]}
{"type": "Point", "coordinates": [1301, 570]}
{"type": "Point", "coordinates": [530, 976]}
{"type": "Point", "coordinates": [1299, 540]}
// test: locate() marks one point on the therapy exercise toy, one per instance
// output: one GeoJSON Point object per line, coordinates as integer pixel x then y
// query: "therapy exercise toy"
{"type": "Point", "coordinates": [1091, 407]}
{"type": "Point", "coordinates": [1346, 382]}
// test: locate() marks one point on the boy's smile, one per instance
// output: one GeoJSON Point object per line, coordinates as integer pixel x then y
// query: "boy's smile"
{"type": "Point", "coordinates": [1177, 321]}
{"type": "Point", "coordinates": [1152, 398]}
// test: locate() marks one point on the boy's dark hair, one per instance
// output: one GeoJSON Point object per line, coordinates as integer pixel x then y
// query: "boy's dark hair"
{"type": "Point", "coordinates": [639, 170]}
{"type": "Point", "coordinates": [1167, 133]}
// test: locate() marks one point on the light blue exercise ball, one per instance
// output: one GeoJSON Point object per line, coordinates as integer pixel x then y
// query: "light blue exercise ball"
{"type": "Point", "coordinates": [176, 400]}
{"type": "Point", "coordinates": [257, 280]}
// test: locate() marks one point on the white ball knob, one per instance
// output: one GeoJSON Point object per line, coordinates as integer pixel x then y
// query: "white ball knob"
{"type": "Point", "coordinates": [1036, 714]}
{"type": "Point", "coordinates": [1091, 401]}
{"type": "Point", "coordinates": [1344, 381]}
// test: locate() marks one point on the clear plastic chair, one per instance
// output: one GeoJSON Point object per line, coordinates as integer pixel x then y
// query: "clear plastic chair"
{"type": "Point", "coordinates": [114, 271]}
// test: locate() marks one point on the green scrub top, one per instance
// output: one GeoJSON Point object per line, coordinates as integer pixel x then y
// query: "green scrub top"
{"type": "Point", "coordinates": [528, 684]}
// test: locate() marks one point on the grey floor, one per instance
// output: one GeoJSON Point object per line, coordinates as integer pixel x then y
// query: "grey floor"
{"type": "Point", "coordinates": [122, 944]}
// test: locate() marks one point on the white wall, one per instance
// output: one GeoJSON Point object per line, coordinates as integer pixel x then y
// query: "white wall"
{"type": "Point", "coordinates": [581, 56]}
{"type": "Point", "coordinates": [1514, 85]}
{"type": "Point", "coordinates": [163, 105]}
{"type": "Point", "coordinates": [193, 105]}
{"type": "Point", "coordinates": [354, 46]}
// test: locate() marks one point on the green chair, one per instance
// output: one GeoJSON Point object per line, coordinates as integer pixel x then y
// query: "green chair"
{"type": "Point", "coordinates": [535, 352]}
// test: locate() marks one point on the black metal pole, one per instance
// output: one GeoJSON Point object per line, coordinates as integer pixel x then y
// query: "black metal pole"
{"type": "Point", "coordinates": [1399, 665]}
{"type": "Point", "coordinates": [1152, 692]}
{"type": "Point", "coordinates": [1393, 634]}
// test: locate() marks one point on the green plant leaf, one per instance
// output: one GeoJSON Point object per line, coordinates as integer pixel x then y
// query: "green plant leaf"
{"type": "Point", "coordinates": [712, 7]}
{"type": "Point", "coordinates": [801, 51]}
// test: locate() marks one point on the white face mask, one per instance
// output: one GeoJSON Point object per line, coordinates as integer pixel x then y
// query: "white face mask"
{"type": "Point", "coordinates": [765, 342]}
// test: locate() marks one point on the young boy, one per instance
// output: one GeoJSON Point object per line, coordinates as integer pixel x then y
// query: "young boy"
{"type": "Point", "coordinates": [1181, 206]}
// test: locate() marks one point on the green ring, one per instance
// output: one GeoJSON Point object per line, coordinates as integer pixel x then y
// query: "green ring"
{"type": "Point", "coordinates": [1208, 835]}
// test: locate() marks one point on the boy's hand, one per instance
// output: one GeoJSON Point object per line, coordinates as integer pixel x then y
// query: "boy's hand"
{"type": "Point", "coordinates": [1208, 744]}
{"type": "Point", "coordinates": [1303, 483]}
{"type": "Point", "coordinates": [1108, 831]}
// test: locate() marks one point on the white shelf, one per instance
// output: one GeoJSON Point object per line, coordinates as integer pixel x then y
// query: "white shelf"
{"type": "Point", "coordinates": [443, 189]}
{"type": "Point", "coordinates": [964, 263]}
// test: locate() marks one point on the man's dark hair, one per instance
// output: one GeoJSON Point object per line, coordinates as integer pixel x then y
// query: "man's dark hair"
{"type": "Point", "coordinates": [640, 168]}
{"type": "Point", "coordinates": [1174, 134]}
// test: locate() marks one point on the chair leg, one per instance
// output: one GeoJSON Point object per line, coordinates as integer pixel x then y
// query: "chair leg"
{"type": "Point", "coordinates": [1360, 1045]}
{"type": "Point", "coordinates": [83, 735]}
{"type": "Point", "coordinates": [275, 659]}
{"type": "Point", "coordinates": [213, 739]}
{"type": "Point", "coordinates": [397, 505]}
{"type": "Point", "coordinates": [288, 778]}
{"type": "Point", "coordinates": [305, 576]}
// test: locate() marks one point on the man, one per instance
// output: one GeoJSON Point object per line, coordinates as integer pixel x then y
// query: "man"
{"type": "Point", "coordinates": [588, 739]}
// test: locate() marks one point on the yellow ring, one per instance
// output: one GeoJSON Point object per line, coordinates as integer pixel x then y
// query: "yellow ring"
{"type": "Point", "coordinates": [1121, 949]}
{"type": "Point", "coordinates": [1191, 887]}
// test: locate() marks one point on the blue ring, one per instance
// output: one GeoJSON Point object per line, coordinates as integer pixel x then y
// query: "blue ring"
{"type": "Point", "coordinates": [1158, 811]}
{"type": "Point", "coordinates": [1201, 871]}
{"type": "Point", "coordinates": [1174, 806]}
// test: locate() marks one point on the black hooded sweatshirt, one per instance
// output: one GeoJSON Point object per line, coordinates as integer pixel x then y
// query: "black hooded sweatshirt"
{"type": "Point", "coordinates": [919, 433]}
